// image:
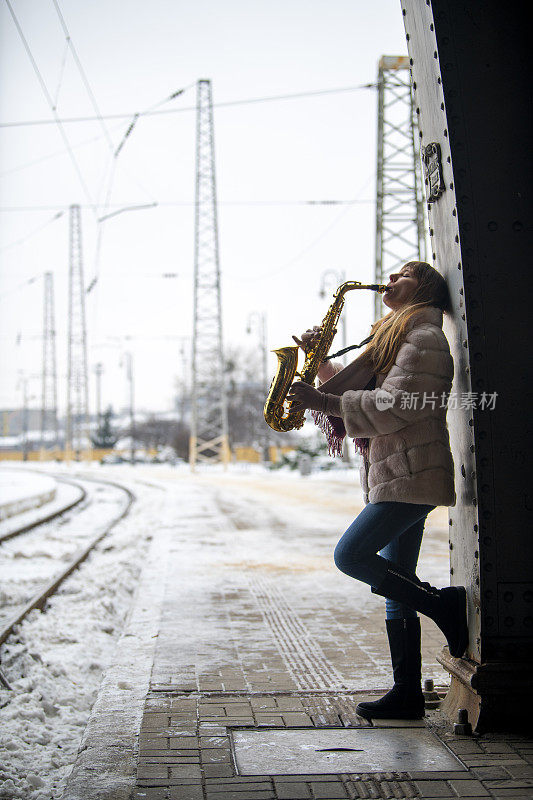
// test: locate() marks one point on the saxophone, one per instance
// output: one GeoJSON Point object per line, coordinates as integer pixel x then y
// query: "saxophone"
{"type": "Point", "coordinates": [276, 415]}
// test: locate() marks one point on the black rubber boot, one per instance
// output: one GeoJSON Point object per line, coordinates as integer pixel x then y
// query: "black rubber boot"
{"type": "Point", "coordinates": [405, 700]}
{"type": "Point", "coordinates": [446, 607]}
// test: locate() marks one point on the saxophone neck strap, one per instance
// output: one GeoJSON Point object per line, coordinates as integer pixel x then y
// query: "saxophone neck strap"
{"type": "Point", "coordinates": [347, 349]}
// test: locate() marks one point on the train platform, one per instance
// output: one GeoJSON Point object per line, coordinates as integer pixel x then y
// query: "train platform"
{"type": "Point", "coordinates": [244, 657]}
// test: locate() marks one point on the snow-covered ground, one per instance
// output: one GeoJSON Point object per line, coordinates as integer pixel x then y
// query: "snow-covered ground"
{"type": "Point", "coordinates": [21, 490]}
{"type": "Point", "coordinates": [56, 661]}
{"type": "Point", "coordinates": [30, 560]}
{"type": "Point", "coordinates": [17, 484]}
{"type": "Point", "coordinates": [66, 494]}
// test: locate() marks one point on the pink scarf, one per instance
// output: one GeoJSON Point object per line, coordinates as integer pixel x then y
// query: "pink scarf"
{"type": "Point", "coordinates": [357, 375]}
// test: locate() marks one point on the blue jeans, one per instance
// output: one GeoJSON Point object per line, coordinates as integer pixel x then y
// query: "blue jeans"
{"type": "Point", "coordinates": [392, 529]}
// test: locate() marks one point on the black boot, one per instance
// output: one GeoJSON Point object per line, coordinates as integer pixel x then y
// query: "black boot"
{"type": "Point", "coordinates": [446, 607]}
{"type": "Point", "coordinates": [405, 700]}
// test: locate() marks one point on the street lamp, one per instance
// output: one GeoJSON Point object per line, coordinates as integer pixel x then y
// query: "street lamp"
{"type": "Point", "coordinates": [98, 371]}
{"type": "Point", "coordinates": [333, 279]}
{"type": "Point", "coordinates": [258, 320]}
{"type": "Point", "coordinates": [128, 358]}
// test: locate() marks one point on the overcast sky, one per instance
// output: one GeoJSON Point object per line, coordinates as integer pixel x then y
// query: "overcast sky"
{"type": "Point", "coordinates": [272, 157]}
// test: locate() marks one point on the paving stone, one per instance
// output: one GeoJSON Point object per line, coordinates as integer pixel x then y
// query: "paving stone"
{"type": "Point", "coordinates": [436, 776]}
{"type": "Point", "coordinates": [218, 770]}
{"type": "Point", "coordinates": [176, 718]}
{"type": "Point", "coordinates": [264, 718]}
{"type": "Point", "coordinates": [213, 741]}
{"type": "Point", "coordinates": [186, 793]}
{"type": "Point", "coordinates": [179, 705]}
{"type": "Point", "coordinates": [184, 743]}
{"type": "Point", "coordinates": [433, 788]}
{"type": "Point", "coordinates": [525, 771]}
{"type": "Point", "coordinates": [469, 788]}
{"type": "Point", "coordinates": [497, 747]}
{"type": "Point", "coordinates": [217, 789]}
{"type": "Point", "coordinates": [154, 720]}
{"type": "Point", "coordinates": [296, 719]}
{"type": "Point", "coordinates": [260, 703]}
{"type": "Point", "coordinates": [236, 795]}
{"type": "Point", "coordinates": [157, 703]}
{"type": "Point", "coordinates": [492, 773]}
{"type": "Point", "coordinates": [304, 778]}
{"type": "Point", "coordinates": [322, 790]}
{"type": "Point", "coordinates": [153, 744]}
{"type": "Point", "coordinates": [239, 780]}
{"type": "Point", "coordinates": [292, 791]}
{"type": "Point", "coordinates": [487, 761]}
{"type": "Point", "coordinates": [496, 786]}
{"type": "Point", "coordinates": [516, 794]}
{"type": "Point", "coordinates": [289, 703]}
{"type": "Point", "coordinates": [185, 771]}
{"type": "Point", "coordinates": [465, 748]}
{"type": "Point", "coordinates": [171, 757]}
{"type": "Point", "coordinates": [150, 793]}
{"type": "Point", "coordinates": [216, 755]}
{"type": "Point", "coordinates": [146, 772]}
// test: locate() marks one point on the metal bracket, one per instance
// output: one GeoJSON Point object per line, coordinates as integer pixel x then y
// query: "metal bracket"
{"type": "Point", "coordinates": [433, 170]}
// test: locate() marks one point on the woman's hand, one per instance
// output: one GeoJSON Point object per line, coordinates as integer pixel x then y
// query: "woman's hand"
{"type": "Point", "coordinates": [303, 396]}
{"type": "Point", "coordinates": [308, 339]}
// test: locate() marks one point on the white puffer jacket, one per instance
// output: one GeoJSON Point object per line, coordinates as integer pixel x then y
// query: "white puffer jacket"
{"type": "Point", "coordinates": [409, 457]}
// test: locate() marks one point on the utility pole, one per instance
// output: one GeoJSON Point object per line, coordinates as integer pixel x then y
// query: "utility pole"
{"type": "Point", "coordinates": [24, 382]}
{"type": "Point", "coordinates": [129, 376]}
{"type": "Point", "coordinates": [49, 367]}
{"type": "Point", "coordinates": [260, 319]}
{"type": "Point", "coordinates": [77, 374]}
{"type": "Point", "coordinates": [400, 230]}
{"type": "Point", "coordinates": [209, 423]}
{"type": "Point", "coordinates": [98, 371]}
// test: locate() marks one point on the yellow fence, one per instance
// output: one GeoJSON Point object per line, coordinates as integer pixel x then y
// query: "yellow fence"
{"type": "Point", "coordinates": [248, 454]}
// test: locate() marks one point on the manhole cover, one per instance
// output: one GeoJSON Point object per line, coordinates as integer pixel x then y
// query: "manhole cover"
{"type": "Point", "coordinates": [315, 752]}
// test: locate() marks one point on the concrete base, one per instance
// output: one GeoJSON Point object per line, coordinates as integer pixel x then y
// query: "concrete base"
{"type": "Point", "coordinates": [498, 697]}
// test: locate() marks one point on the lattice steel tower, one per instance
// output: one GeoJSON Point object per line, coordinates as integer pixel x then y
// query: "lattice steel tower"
{"type": "Point", "coordinates": [77, 374]}
{"type": "Point", "coordinates": [209, 422]}
{"type": "Point", "coordinates": [400, 229]}
{"type": "Point", "coordinates": [49, 369]}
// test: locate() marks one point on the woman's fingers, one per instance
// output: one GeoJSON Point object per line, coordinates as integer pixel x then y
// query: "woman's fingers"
{"type": "Point", "coordinates": [308, 338]}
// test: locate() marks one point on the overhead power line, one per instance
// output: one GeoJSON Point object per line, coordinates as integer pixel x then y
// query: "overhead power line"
{"type": "Point", "coordinates": [50, 102]}
{"type": "Point", "coordinates": [177, 203]}
{"type": "Point", "coordinates": [88, 89]}
{"type": "Point", "coordinates": [155, 112]}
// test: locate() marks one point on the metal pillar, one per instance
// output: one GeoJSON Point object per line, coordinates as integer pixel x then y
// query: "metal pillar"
{"type": "Point", "coordinates": [98, 371]}
{"type": "Point", "coordinates": [131, 394]}
{"type": "Point", "coordinates": [400, 226]}
{"type": "Point", "coordinates": [77, 422]}
{"type": "Point", "coordinates": [209, 424]}
{"type": "Point", "coordinates": [49, 367]}
{"type": "Point", "coordinates": [260, 321]}
{"type": "Point", "coordinates": [471, 71]}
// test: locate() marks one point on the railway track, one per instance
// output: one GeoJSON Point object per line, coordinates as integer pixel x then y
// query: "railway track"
{"type": "Point", "coordinates": [38, 598]}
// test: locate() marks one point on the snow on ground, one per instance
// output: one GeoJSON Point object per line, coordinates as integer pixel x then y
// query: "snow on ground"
{"type": "Point", "coordinates": [18, 484]}
{"type": "Point", "coordinates": [65, 495]}
{"type": "Point", "coordinates": [31, 559]}
{"type": "Point", "coordinates": [21, 490]}
{"type": "Point", "coordinates": [56, 661]}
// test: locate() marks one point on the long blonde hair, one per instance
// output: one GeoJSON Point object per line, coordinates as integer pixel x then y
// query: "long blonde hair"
{"type": "Point", "coordinates": [388, 333]}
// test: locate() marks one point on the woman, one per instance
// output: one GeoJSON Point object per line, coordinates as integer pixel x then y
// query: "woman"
{"type": "Point", "coordinates": [399, 420]}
